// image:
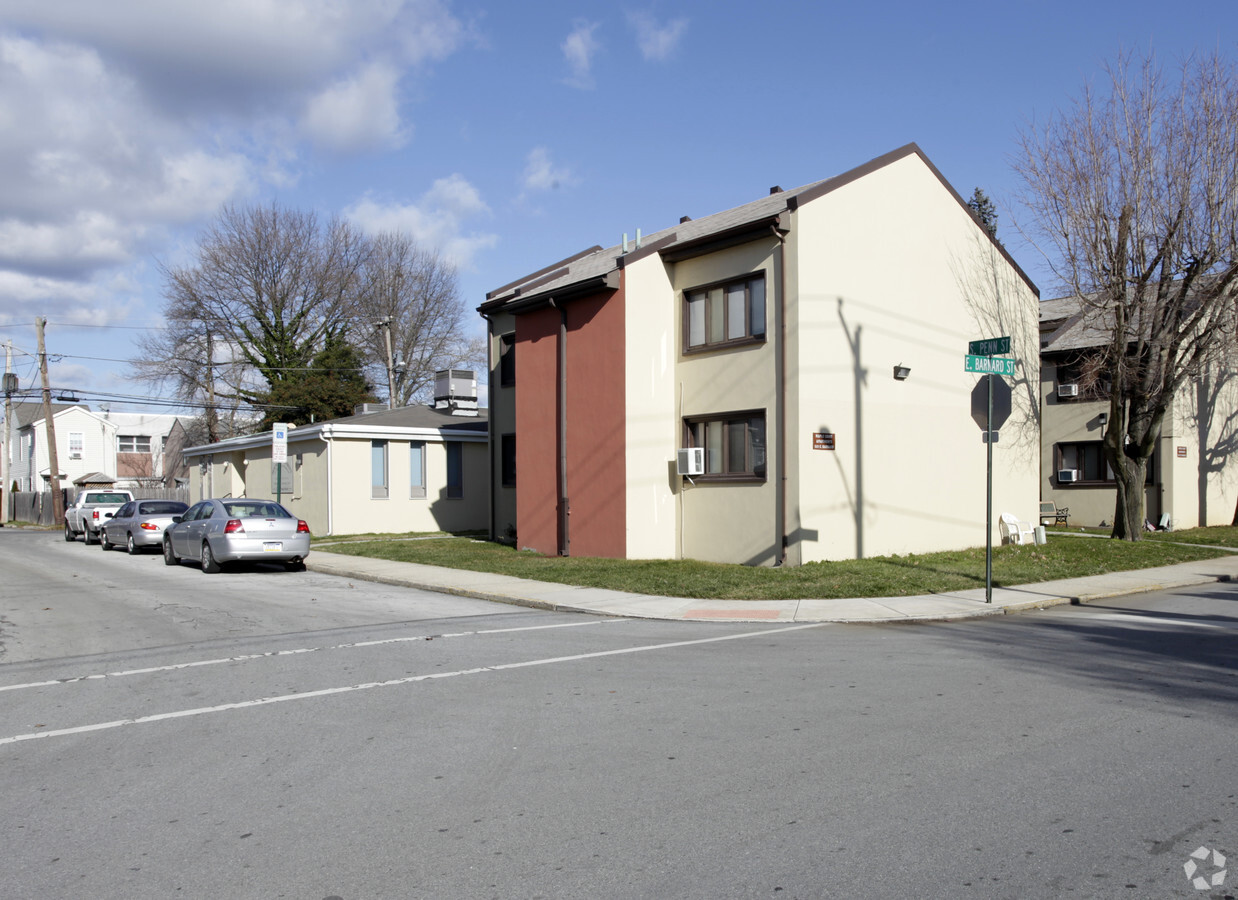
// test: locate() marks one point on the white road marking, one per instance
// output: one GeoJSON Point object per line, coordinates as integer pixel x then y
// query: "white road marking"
{"type": "Point", "coordinates": [327, 692]}
{"type": "Point", "coordinates": [1136, 619]}
{"type": "Point", "coordinates": [274, 653]}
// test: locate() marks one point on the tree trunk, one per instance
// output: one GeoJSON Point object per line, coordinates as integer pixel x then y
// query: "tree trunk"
{"type": "Point", "coordinates": [1129, 514]}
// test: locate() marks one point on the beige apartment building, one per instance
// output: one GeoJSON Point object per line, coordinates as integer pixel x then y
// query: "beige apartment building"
{"type": "Point", "coordinates": [805, 351]}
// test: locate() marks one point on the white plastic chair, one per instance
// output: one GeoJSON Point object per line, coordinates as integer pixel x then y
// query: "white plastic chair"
{"type": "Point", "coordinates": [1015, 532]}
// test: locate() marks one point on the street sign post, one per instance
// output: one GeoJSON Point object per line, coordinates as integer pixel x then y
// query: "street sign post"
{"type": "Point", "coordinates": [279, 455]}
{"type": "Point", "coordinates": [990, 408]}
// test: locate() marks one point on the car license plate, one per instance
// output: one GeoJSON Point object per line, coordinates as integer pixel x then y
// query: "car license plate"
{"type": "Point", "coordinates": [273, 545]}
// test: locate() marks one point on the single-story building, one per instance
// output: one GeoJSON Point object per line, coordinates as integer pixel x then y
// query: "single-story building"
{"type": "Point", "coordinates": [417, 468]}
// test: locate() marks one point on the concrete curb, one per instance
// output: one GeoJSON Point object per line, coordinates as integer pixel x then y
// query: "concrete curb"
{"type": "Point", "coordinates": [922, 609]}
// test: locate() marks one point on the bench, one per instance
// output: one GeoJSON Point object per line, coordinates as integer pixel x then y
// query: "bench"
{"type": "Point", "coordinates": [1050, 510]}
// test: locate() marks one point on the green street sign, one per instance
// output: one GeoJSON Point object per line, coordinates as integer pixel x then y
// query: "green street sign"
{"type": "Point", "coordinates": [989, 365]}
{"type": "Point", "coordinates": [989, 347]}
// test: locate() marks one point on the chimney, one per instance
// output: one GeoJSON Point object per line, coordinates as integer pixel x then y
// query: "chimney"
{"type": "Point", "coordinates": [456, 390]}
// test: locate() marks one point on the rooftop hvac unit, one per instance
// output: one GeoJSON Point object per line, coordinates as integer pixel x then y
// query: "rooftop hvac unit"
{"type": "Point", "coordinates": [1066, 476]}
{"type": "Point", "coordinates": [691, 461]}
{"type": "Point", "coordinates": [1068, 390]}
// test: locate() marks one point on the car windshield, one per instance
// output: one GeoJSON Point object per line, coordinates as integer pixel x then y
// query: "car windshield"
{"type": "Point", "coordinates": [161, 508]}
{"type": "Point", "coordinates": [256, 509]}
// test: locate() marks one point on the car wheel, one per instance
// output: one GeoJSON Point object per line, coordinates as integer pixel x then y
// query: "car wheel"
{"type": "Point", "coordinates": [131, 547]}
{"type": "Point", "coordinates": [103, 541]}
{"type": "Point", "coordinates": [68, 533]}
{"type": "Point", "coordinates": [295, 565]}
{"type": "Point", "coordinates": [210, 565]}
{"type": "Point", "coordinates": [169, 558]}
{"type": "Point", "coordinates": [86, 537]}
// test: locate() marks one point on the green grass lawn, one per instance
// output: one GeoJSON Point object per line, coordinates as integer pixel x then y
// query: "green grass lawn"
{"type": "Point", "coordinates": [888, 576]}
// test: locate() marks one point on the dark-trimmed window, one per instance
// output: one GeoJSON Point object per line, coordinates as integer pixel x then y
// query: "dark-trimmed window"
{"type": "Point", "coordinates": [507, 360]}
{"type": "Point", "coordinates": [734, 444]}
{"type": "Point", "coordinates": [508, 448]}
{"type": "Point", "coordinates": [1087, 460]}
{"type": "Point", "coordinates": [725, 314]}
{"type": "Point", "coordinates": [455, 470]}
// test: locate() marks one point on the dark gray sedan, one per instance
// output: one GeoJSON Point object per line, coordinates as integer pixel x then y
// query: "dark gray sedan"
{"type": "Point", "coordinates": [215, 532]}
{"type": "Point", "coordinates": [139, 524]}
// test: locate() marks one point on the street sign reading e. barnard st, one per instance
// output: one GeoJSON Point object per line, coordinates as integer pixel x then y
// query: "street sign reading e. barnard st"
{"type": "Point", "coordinates": [989, 365]}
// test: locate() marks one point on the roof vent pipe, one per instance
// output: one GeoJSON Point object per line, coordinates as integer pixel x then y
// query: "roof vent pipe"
{"type": "Point", "coordinates": [775, 190]}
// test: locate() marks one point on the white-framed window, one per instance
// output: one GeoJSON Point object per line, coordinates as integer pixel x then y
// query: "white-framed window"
{"type": "Point", "coordinates": [76, 441]}
{"type": "Point", "coordinates": [379, 489]}
{"type": "Point", "coordinates": [133, 443]}
{"type": "Point", "coordinates": [417, 469]}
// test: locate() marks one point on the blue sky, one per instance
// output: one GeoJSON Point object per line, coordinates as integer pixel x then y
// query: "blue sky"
{"type": "Point", "coordinates": [508, 136]}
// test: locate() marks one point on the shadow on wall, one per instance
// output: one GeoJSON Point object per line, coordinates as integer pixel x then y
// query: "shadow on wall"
{"type": "Point", "coordinates": [859, 380]}
{"type": "Point", "coordinates": [1216, 441]}
{"type": "Point", "coordinates": [988, 288]}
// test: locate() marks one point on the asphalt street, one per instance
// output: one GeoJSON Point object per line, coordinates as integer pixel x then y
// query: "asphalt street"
{"type": "Point", "coordinates": [503, 752]}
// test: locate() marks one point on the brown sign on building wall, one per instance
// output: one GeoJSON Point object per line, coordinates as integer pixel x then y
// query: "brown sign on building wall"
{"type": "Point", "coordinates": [823, 440]}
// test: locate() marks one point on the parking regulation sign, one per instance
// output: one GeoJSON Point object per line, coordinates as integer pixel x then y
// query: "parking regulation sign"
{"type": "Point", "coordinates": [279, 443]}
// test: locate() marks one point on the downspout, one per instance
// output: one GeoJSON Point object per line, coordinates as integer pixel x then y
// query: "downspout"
{"type": "Point", "coordinates": [781, 410]}
{"type": "Point", "coordinates": [565, 541]}
{"type": "Point", "coordinates": [327, 439]}
{"type": "Point", "coordinates": [494, 533]}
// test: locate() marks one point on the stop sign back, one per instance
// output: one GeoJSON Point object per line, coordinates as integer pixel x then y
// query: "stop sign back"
{"type": "Point", "coordinates": [980, 403]}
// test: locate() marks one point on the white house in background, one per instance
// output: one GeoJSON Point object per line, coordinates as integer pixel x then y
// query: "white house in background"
{"type": "Point", "coordinates": [127, 446]}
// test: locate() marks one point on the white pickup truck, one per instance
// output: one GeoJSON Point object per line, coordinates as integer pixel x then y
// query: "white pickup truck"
{"type": "Point", "coordinates": [90, 511]}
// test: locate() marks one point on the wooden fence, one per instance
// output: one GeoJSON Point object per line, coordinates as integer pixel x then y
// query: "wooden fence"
{"type": "Point", "coordinates": [36, 508]}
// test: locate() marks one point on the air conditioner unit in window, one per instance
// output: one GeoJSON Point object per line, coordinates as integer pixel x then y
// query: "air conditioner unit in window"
{"type": "Point", "coordinates": [1068, 390]}
{"type": "Point", "coordinates": [1066, 476]}
{"type": "Point", "coordinates": [691, 461]}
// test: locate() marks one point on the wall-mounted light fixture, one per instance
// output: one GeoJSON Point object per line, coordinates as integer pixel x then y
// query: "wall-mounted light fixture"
{"type": "Point", "coordinates": [901, 372]}
{"type": "Point", "coordinates": [1103, 418]}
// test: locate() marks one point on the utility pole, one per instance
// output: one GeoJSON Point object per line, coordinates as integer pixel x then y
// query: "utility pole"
{"type": "Point", "coordinates": [385, 325]}
{"type": "Point", "coordinates": [52, 457]}
{"type": "Point", "coordinates": [212, 416]}
{"type": "Point", "coordinates": [10, 385]}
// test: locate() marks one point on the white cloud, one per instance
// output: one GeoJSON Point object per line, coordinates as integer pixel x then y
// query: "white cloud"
{"type": "Point", "coordinates": [124, 121]}
{"type": "Point", "coordinates": [540, 174]}
{"type": "Point", "coordinates": [438, 220]}
{"type": "Point", "coordinates": [579, 48]}
{"type": "Point", "coordinates": [358, 113]}
{"type": "Point", "coordinates": [657, 41]}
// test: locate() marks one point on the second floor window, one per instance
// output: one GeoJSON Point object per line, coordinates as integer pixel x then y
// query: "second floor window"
{"type": "Point", "coordinates": [75, 444]}
{"type": "Point", "coordinates": [133, 443]}
{"type": "Point", "coordinates": [732, 312]}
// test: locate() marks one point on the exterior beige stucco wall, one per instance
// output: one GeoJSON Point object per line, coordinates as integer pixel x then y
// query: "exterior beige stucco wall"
{"type": "Point", "coordinates": [650, 392]}
{"type": "Point", "coordinates": [354, 511]}
{"type": "Point", "coordinates": [730, 521]}
{"type": "Point", "coordinates": [894, 271]}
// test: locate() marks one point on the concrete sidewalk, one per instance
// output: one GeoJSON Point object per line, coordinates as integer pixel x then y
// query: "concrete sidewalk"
{"type": "Point", "coordinates": [923, 608]}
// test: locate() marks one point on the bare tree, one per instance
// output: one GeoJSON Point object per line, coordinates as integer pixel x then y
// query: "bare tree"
{"type": "Point", "coordinates": [268, 287]}
{"type": "Point", "coordinates": [410, 298]}
{"type": "Point", "coordinates": [1134, 189]}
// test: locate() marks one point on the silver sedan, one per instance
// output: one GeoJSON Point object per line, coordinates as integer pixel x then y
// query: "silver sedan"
{"type": "Point", "coordinates": [139, 524]}
{"type": "Point", "coordinates": [215, 532]}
